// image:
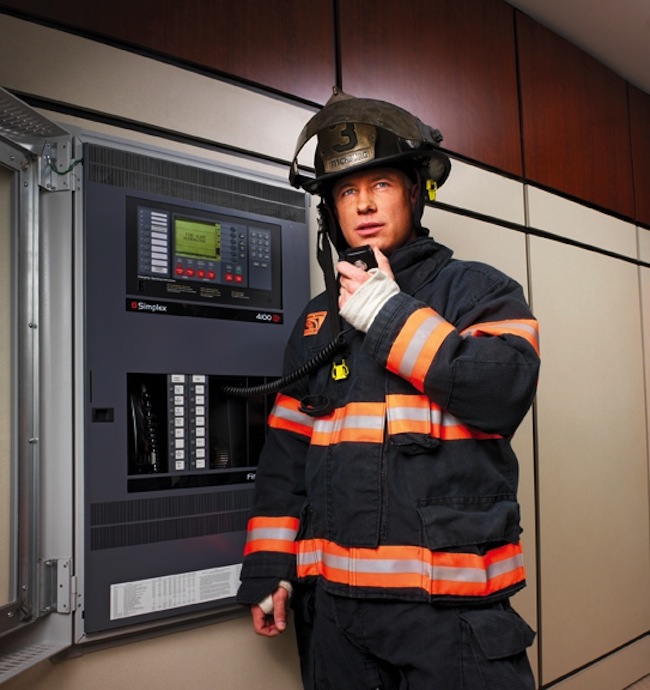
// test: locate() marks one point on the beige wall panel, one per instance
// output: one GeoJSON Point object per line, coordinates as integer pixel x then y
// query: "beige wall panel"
{"type": "Point", "coordinates": [593, 474]}
{"type": "Point", "coordinates": [644, 244]}
{"type": "Point", "coordinates": [477, 190]}
{"type": "Point", "coordinates": [615, 672]}
{"type": "Point", "coordinates": [574, 221]}
{"type": "Point", "coordinates": [73, 70]}
{"type": "Point", "coordinates": [476, 240]}
{"type": "Point", "coordinates": [224, 656]}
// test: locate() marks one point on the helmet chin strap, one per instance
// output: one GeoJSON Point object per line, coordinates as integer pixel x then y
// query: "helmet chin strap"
{"type": "Point", "coordinates": [324, 256]}
{"type": "Point", "coordinates": [339, 369]}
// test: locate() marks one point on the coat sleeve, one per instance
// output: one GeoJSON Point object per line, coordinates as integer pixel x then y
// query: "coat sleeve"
{"type": "Point", "coordinates": [480, 362]}
{"type": "Point", "coordinates": [269, 554]}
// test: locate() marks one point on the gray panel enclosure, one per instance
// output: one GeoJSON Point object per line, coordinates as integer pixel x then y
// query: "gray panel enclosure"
{"type": "Point", "coordinates": [170, 461]}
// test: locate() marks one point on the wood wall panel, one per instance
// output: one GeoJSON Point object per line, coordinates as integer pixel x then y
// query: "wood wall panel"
{"type": "Point", "coordinates": [454, 63]}
{"type": "Point", "coordinates": [575, 121]}
{"type": "Point", "coordinates": [450, 62]}
{"type": "Point", "coordinates": [286, 45]}
{"type": "Point", "coordinates": [640, 135]}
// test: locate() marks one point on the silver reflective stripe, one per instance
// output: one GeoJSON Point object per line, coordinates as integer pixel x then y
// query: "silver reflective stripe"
{"type": "Point", "coordinates": [444, 419]}
{"type": "Point", "coordinates": [290, 415]}
{"type": "Point", "coordinates": [505, 566]}
{"type": "Point", "coordinates": [418, 414]}
{"type": "Point", "coordinates": [459, 574]}
{"type": "Point", "coordinates": [279, 533]}
{"type": "Point", "coordinates": [353, 421]}
{"type": "Point", "coordinates": [402, 567]}
{"type": "Point", "coordinates": [418, 341]}
{"type": "Point", "coordinates": [428, 413]}
{"type": "Point", "coordinates": [311, 557]}
{"type": "Point", "coordinates": [383, 566]}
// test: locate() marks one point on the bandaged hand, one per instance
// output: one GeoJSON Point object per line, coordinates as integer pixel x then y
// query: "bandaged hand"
{"type": "Point", "coordinates": [362, 306]}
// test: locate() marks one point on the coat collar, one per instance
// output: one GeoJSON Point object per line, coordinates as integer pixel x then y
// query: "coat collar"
{"type": "Point", "coordinates": [417, 263]}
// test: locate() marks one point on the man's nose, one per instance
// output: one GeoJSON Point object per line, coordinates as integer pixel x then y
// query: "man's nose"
{"type": "Point", "coordinates": [365, 201]}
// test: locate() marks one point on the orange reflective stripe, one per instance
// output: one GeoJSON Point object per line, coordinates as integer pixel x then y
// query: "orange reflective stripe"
{"type": "Point", "coordinates": [437, 573]}
{"type": "Point", "coordinates": [271, 534]}
{"type": "Point", "coordinates": [524, 328]}
{"type": "Point", "coordinates": [358, 422]}
{"type": "Point", "coordinates": [417, 345]}
{"type": "Point", "coordinates": [287, 415]}
{"type": "Point", "coordinates": [416, 414]}
{"type": "Point", "coordinates": [269, 545]}
{"type": "Point", "coordinates": [460, 432]}
{"type": "Point", "coordinates": [447, 428]}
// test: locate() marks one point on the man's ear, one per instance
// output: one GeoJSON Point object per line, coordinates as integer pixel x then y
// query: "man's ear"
{"type": "Point", "coordinates": [414, 195]}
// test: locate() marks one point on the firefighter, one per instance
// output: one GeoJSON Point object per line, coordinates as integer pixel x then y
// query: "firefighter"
{"type": "Point", "coordinates": [386, 493]}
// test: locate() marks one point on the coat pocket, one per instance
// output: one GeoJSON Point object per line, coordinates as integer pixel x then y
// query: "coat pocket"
{"type": "Point", "coordinates": [495, 640]}
{"type": "Point", "coordinates": [469, 521]}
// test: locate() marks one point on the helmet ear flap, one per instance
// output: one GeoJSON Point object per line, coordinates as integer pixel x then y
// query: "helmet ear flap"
{"type": "Point", "coordinates": [423, 185]}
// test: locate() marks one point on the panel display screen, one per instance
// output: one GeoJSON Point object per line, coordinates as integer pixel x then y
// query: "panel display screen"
{"type": "Point", "coordinates": [196, 239]}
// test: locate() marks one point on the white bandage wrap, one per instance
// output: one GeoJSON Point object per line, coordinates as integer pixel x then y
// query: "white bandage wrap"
{"type": "Point", "coordinates": [267, 603]}
{"type": "Point", "coordinates": [364, 305]}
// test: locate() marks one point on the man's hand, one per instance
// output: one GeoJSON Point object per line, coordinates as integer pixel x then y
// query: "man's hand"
{"type": "Point", "coordinates": [352, 278]}
{"type": "Point", "coordinates": [274, 623]}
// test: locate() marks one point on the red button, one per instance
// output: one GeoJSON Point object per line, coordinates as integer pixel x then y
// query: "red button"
{"type": "Point", "coordinates": [179, 270]}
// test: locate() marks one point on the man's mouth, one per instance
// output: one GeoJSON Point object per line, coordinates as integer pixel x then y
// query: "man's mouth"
{"type": "Point", "coordinates": [368, 228]}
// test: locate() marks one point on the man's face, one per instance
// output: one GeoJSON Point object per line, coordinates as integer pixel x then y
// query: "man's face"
{"type": "Point", "coordinates": [375, 207]}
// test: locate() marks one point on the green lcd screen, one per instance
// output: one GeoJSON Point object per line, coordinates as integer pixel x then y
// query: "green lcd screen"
{"type": "Point", "coordinates": [197, 239]}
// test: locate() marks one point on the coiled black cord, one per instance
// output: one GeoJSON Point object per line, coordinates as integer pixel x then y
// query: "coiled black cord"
{"type": "Point", "coordinates": [332, 348]}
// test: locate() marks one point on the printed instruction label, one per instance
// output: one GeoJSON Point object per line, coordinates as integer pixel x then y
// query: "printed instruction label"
{"type": "Point", "coordinates": [173, 591]}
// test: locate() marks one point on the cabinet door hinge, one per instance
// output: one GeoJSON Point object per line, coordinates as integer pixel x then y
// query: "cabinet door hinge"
{"type": "Point", "coordinates": [58, 166]}
{"type": "Point", "coordinates": [57, 585]}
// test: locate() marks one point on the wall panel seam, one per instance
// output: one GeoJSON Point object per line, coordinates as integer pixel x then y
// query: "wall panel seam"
{"type": "Point", "coordinates": [537, 232]}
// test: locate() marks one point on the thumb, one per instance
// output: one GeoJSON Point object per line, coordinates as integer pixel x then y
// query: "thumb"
{"type": "Point", "coordinates": [280, 597]}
